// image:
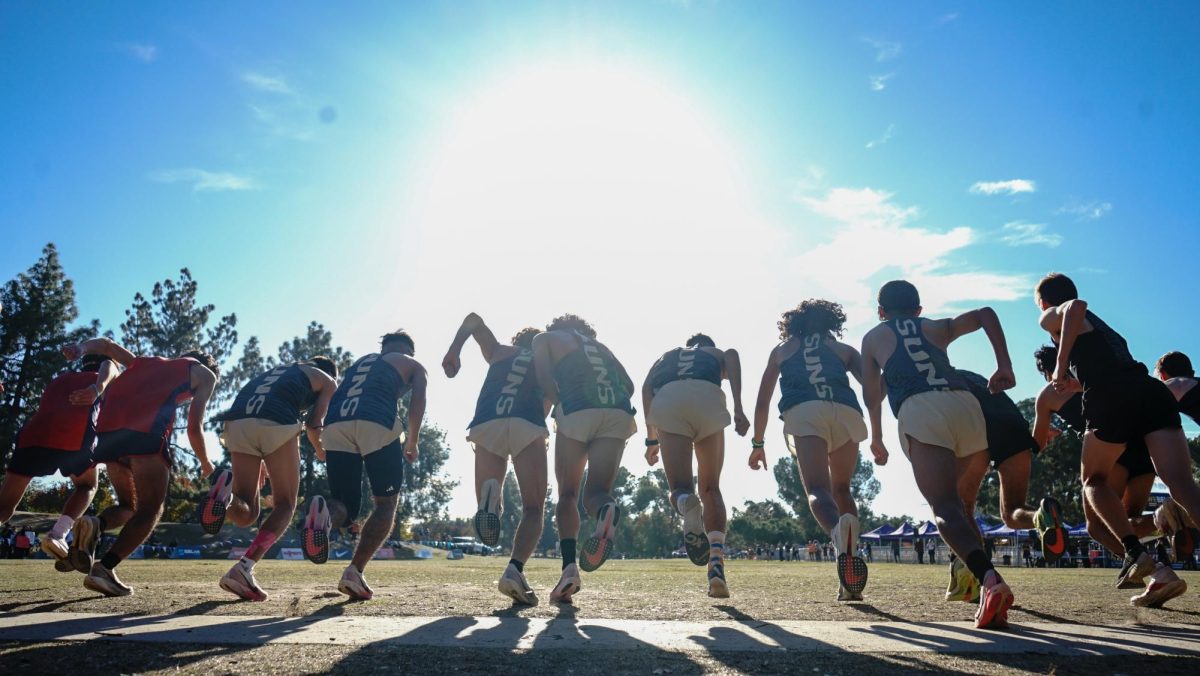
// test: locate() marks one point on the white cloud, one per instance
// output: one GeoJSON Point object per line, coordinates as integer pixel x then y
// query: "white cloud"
{"type": "Point", "coordinates": [879, 82]}
{"type": "Point", "coordinates": [1010, 187]}
{"type": "Point", "coordinates": [1085, 211]}
{"type": "Point", "coordinates": [1020, 233]}
{"type": "Point", "coordinates": [146, 53]}
{"type": "Point", "coordinates": [267, 83]}
{"type": "Point", "coordinates": [885, 50]}
{"type": "Point", "coordinates": [947, 18]}
{"type": "Point", "coordinates": [884, 138]}
{"type": "Point", "coordinates": [205, 181]}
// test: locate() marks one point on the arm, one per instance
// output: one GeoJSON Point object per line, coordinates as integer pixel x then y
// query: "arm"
{"type": "Point", "coordinates": [544, 366]}
{"type": "Point", "coordinates": [472, 326]}
{"type": "Point", "coordinates": [101, 346]}
{"type": "Point", "coordinates": [651, 431]}
{"type": "Point", "coordinates": [203, 383]}
{"type": "Point", "coordinates": [1044, 408]}
{"type": "Point", "coordinates": [872, 382]}
{"type": "Point", "coordinates": [762, 411]}
{"type": "Point", "coordinates": [1073, 312]}
{"type": "Point", "coordinates": [625, 379]}
{"type": "Point", "coordinates": [985, 318]}
{"type": "Point", "coordinates": [733, 371]}
{"type": "Point", "coordinates": [416, 412]}
{"type": "Point", "coordinates": [324, 386]}
{"type": "Point", "coordinates": [88, 395]}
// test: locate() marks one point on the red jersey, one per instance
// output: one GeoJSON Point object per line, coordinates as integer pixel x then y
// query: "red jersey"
{"type": "Point", "coordinates": [58, 424]}
{"type": "Point", "coordinates": [145, 397]}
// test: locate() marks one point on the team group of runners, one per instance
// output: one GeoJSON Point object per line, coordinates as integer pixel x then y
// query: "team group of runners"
{"type": "Point", "coordinates": [119, 410]}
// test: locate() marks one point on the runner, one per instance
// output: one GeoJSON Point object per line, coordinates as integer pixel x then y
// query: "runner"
{"type": "Point", "coordinates": [593, 418]}
{"type": "Point", "coordinates": [1132, 477]}
{"type": "Point", "coordinates": [685, 414]}
{"type": "Point", "coordinates": [822, 424]}
{"type": "Point", "coordinates": [60, 437]}
{"type": "Point", "coordinates": [134, 431]}
{"type": "Point", "coordinates": [941, 425]}
{"type": "Point", "coordinates": [1175, 369]}
{"type": "Point", "coordinates": [261, 433]}
{"type": "Point", "coordinates": [1120, 402]}
{"type": "Point", "coordinates": [510, 421]}
{"type": "Point", "coordinates": [363, 427]}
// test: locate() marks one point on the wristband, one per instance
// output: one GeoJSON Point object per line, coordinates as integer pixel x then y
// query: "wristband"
{"type": "Point", "coordinates": [651, 442]}
{"type": "Point", "coordinates": [756, 443]}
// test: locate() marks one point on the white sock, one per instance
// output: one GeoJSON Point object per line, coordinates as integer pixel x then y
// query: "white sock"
{"type": "Point", "coordinates": [247, 564]}
{"type": "Point", "coordinates": [61, 527]}
{"type": "Point", "coordinates": [716, 546]}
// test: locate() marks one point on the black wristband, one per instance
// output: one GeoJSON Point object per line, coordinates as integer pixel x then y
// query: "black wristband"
{"type": "Point", "coordinates": [651, 442]}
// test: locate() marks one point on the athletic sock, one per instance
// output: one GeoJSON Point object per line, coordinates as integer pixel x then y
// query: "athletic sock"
{"type": "Point", "coordinates": [247, 564]}
{"type": "Point", "coordinates": [60, 528]}
{"type": "Point", "coordinates": [262, 542]}
{"type": "Point", "coordinates": [519, 565]}
{"type": "Point", "coordinates": [980, 564]}
{"type": "Point", "coordinates": [716, 546]}
{"type": "Point", "coordinates": [1133, 546]}
{"type": "Point", "coordinates": [110, 561]}
{"type": "Point", "coordinates": [567, 547]}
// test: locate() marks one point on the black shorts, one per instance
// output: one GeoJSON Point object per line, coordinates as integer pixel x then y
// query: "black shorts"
{"type": "Point", "coordinates": [385, 471]}
{"type": "Point", "coordinates": [35, 461]}
{"type": "Point", "coordinates": [1007, 431]}
{"type": "Point", "coordinates": [1122, 411]}
{"type": "Point", "coordinates": [1136, 459]}
{"type": "Point", "coordinates": [120, 445]}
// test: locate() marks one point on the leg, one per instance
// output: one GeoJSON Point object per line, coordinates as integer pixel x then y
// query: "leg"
{"type": "Point", "coordinates": [710, 458]}
{"type": "Point", "coordinates": [676, 451]}
{"type": "Point", "coordinates": [936, 471]}
{"type": "Point", "coordinates": [83, 489]}
{"type": "Point", "coordinates": [150, 476]}
{"type": "Point", "coordinates": [604, 459]}
{"type": "Point", "coordinates": [1099, 458]}
{"type": "Point", "coordinates": [283, 466]}
{"type": "Point", "coordinates": [11, 492]}
{"type": "Point", "coordinates": [118, 514]}
{"type": "Point", "coordinates": [842, 464]}
{"type": "Point", "coordinates": [812, 461]}
{"type": "Point", "coordinates": [971, 471]}
{"type": "Point", "coordinates": [530, 468]}
{"type": "Point", "coordinates": [243, 507]}
{"type": "Point", "coordinates": [376, 529]}
{"type": "Point", "coordinates": [570, 459]}
{"type": "Point", "coordinates": [1173, 464]}
{"type": "Point", "coordinates": [488, 466]}
{"type": "Point", "coordinates": [489, 494]}
{"type": "Point", "coordinates": [345, 486]}
{"type": "Point", "coordinates": [1135, 496]}
{"type": "Point", "coordinates": [1014, 490]}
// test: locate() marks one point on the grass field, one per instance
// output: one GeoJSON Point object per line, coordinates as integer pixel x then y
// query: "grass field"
{"type": "Point", "coordinates": [651, 590]}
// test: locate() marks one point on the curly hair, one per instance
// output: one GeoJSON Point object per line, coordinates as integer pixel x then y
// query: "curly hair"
{"type": "Point", "coordinates": [206, 360]}
{"type": "Point", "coordinates": [1046, 358]}
{"type": "Point", "coordinates": [570, 322]}
{"type": "Point", "coordinates": [524, 337]}
{"type": "Point", "coordinates": [812, 316]}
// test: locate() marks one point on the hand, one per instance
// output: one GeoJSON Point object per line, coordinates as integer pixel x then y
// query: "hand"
{"type": "Point", "coordinates": [652, 455]}
{"type": "Point", "coordinates": [72, 351]}
{"type": "Point", "coordinates": [1002, 379]}
{"type": "Point", "coordinates": [86, 396]}
{"type": "Point", "coordinates": [879, 451]}
{"type": "Point", "coordinates": [206, 468]}
{"type": "Point", "coordinates": [740, 424]}
{"type": "Point", "coordinates": [1062, 381]}
{"type": "Point", "coordinates": [411, 451]}
{"type": "Point", "coordinates": [758, 458]}
{"type": "Point", "coordinates": [451, 364]}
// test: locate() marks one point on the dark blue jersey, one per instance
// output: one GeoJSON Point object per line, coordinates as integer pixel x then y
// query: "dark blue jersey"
{"type": "Point", "coordinates": [511, 390]}
{"type": "Point", "coordinates": [685, 363]}
{"type": "Point", "coordinates": [371, 391]}
{"type": "Point", "coordinates": [815, 373]}
{"type": "Point", "coordinates": [916, 365]}
{"type": "Point", "coordinates": [1101, 356]}
{"type": "Point", "coordinates": [279, 395]}
{"type": "Point", "coordinates": [998, 408]}
{"type": "Point", "coordinates": [588, 377]}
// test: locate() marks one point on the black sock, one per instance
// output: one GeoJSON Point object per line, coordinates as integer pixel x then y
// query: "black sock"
{"type": "Point", "coordinates": [568, 551]}
{"type": "Point", "coordinates": [979, 563]}
{"type": "Point", "coordinates": [520, 566]}
{"type": "Point", "coordinates": [1133, 546]}
{"type": "Point", "coordinates": [110, 560]}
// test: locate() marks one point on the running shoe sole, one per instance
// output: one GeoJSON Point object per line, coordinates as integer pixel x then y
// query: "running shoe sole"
{"type": "Point", "coordinates": [487, 527]}
{"type": "Point", "coordinates": [82, 553]}
{"type": "Point", "coordinates": [315, 541]}
{"type": "Point", "coordinates": [852, 573]}
{"type": "Point", "coordinates": [517, 592]}
{"type": "Point", "coordinates": [211, 511]}
{"type": "Point", "coordinates": [598, 547]}
{"type": "Point", "coordinates": [565, 596]}
{"type": "Point", "coordinates": [353, 593]}
{"type": "Point", "coordinates": [100, 587]}
{"type": "Point", "coordinates": [64, 566]}
{"type": "Point", "coordinates": [1054, 539]}
{"type": "Point", "coordinates": [695, 540]}
{"type": "Point", "coordinates": [995, 610]}
{"type": "Point", "coordinates": [1157, 597]}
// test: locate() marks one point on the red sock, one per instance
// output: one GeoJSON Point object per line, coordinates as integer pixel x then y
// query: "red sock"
{"type": "Point", "coordinates": [262, 543]}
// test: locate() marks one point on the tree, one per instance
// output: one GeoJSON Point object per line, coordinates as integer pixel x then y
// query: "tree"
{"type": "Point", "coordinates": [427, 490]}
{"type": "Point", "coordinates": [863, 487]}
{"type": "Point", "coordinates": [39, 304]}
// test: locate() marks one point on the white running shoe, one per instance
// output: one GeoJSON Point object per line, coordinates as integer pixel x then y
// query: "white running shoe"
{"type": "Point", "coordinates": [568, 585]}
{"type": "Point", "coordinates": [56, 547]}
{"type": "Point", "coordinates": [487, 519]}
{"type": "Point", "coordinates": [695, 539]}
{"type": "Point", "coordinates": [354, 585]}
{"type": "Point", "coordinates": [845, 535]}
{"type": "Point", "coordinates": [241, 583]}
{"type": "Point", "coordinates": [1161, 586]}
{"type": "Point", "coordinates": [514, 585]}
{"type": "Point", "coordinates": [105, 581]}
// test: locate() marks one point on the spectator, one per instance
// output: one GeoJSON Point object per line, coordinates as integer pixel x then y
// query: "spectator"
{"type": "Point", "coordinates": [895, 551]}
{"type": "Point", "coordinates": [868, 556]}
{"type": "Point", "coordinates": [1027, 555]}
{"type": "Point", "coordinates": [919, 548]}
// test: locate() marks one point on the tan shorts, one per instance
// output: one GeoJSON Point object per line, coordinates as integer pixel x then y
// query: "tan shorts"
{"type": "Point", "coordinates": [359, 436]}
{"type": "Point", "coordinates": [948, 418]}
{"type": "Point", "coordinates": [837, 424]}
{"type": "Point", "coordinates": [595, 423]}
{"type": "Point", "coordinates": [693, 408]}
{"type": "Point", "coordinates": [506, 437]}
{"type": "Point", "coordinates": [255, 436]}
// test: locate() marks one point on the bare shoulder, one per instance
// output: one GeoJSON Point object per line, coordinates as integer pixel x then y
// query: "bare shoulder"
{"type": "Point", "coordinates": [502, 352]}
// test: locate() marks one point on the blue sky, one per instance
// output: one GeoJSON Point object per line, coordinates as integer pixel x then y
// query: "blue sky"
{"type": "Point", "coordinates": [660, 167]}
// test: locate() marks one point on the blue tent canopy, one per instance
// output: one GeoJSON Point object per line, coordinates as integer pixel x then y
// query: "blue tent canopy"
{"type": "Point", "coordinates": [1077, 531]}
{"type": "Point", "coordinates": [903, 531]}
{"type": "Point", "coordinates": [927, 529]}
{"type": "Point", "coordinates": [876, 533]}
